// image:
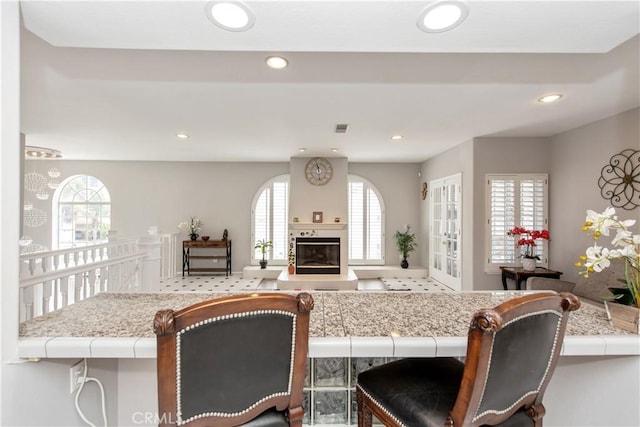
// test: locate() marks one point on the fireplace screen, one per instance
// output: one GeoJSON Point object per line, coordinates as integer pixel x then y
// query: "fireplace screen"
{"type": "Point", "coordinates": [318, 255]}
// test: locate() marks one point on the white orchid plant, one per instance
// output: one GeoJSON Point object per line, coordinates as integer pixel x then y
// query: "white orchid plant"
{"type": "Point", "coordinates": [625, 246]}
{"type": "Point", "coordinates": [192, 226]}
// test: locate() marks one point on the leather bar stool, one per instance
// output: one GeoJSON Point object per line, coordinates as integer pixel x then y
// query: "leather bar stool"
{"type": "Point", "coordinates": [512, 351]}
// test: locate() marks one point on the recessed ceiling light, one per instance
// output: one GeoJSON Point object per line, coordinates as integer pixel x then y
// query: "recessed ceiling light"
{"type": "Point", "coordinates": [550, 98]}
{"type": "Point", "coordinates": [442, 16]}
{"type": "Point", "coordinates": [277, 62]}
{"type": "Point", "coordinates": [41, 152]}
{"type": "Point", "coordinates": [182, 135]}
{"type": "Point", "coordinates": [396, 137]}
{"type": "Point", "coordinates": [230, 15]}
{"type": "Point", "coordinates": [335, 150]}
{"type": "Point", "coordinates": [302, 150]}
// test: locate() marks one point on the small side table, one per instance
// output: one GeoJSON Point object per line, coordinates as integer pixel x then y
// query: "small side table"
{"type": "Point", "coordinates": [520, 275]}
{"type": "Point", "coordinates": [187, 257]}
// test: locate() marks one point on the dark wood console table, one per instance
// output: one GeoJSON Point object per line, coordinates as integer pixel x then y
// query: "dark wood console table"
{"type": "Point", "coordinates": [187, 258]}
{"type": "Point", "coordinates": [520, 275]}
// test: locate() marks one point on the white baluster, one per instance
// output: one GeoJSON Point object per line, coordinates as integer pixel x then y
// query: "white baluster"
{"type": "Point", "coordinates": [55, 293]}
{"type": "Point", "coordinates": [27, 303]}
{"type": "Point", "coordinates": [77, 287]}
{"type": "Point", "coordinates": [47, 289]}
{"type": "Point", "coordinates": [55, 262]}
{"type": "Point", "coordinates": [91, 283]}
{"type": "Point", "coordinates": [64, 291]}
{"type": "Point", "coordinates": [32, 267]}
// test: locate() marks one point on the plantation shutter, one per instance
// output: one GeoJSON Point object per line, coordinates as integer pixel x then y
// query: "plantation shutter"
{"type": "Point", "coordinates": [374, 235]}
{"type": "Point", "coordinates": [356, 221]}
{"type": "Point", "coordinates": [279, 236]}
{"type": "Point", "coordinates": [533, 209]}
{"type": "Point", "coordinates": [514, 200]}
{"type": "Point", "coordinates": [270, 219]}
{"type": "Point", "coordinates": [366, 217]}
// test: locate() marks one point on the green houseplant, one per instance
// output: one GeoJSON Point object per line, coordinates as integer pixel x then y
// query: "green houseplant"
{"type": "Point", "coordinates": [264, 246]}
{"type": "Point", "coordinates": [406, 242]}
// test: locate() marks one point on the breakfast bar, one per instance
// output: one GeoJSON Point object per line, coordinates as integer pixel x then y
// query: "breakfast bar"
{"type": "Point", "coordinates": [349, 332]}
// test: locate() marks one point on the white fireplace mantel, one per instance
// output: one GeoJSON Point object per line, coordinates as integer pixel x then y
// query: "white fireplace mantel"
{"type": "Point", "coordinates": [318, 226]}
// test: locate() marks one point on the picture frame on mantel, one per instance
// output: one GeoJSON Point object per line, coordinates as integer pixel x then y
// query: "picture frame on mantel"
{"type": "Point", "coordinates": [317, 217]}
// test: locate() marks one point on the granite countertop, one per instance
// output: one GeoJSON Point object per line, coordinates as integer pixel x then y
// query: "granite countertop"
{"type": "Point", "coordinates": [336, 314]}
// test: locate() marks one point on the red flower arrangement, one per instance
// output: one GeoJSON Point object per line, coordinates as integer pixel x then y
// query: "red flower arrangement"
{"type": "Point", "coordinates": [529, 239]}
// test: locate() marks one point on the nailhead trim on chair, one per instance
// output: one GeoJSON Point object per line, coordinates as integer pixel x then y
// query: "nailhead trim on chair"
{"type": "Point", "coordinates": [389, 414]}
{"type": "Point", "coordinates": [546, 372]}
{"type": "Point", "coordinates": [179, 420]}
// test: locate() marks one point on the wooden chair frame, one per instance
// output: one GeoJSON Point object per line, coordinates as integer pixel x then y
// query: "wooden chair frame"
{"type": "Point", "coordinates": [167, 323]}
{"type": "Point", "coordinates": [482, 332]}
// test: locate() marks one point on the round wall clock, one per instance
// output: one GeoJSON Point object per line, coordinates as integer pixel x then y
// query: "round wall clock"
{"type": "Point", "coordinates": [319, 171]}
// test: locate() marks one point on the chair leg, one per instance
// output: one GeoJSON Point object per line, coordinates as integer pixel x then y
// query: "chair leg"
{"type": "Point", "coordinates": [537, 412]}
{"type": "Point", "coordinates": [295, 416]}
{"type": "Point", "coordinates": [364, 414]}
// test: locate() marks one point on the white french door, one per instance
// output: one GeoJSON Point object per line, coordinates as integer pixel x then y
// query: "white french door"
{"type": "Point", "coordinates": [445, 231]}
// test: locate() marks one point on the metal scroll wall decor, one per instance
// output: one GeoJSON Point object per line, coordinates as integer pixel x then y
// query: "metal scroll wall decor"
{"type": "Point", "coordinates": [620, 180]}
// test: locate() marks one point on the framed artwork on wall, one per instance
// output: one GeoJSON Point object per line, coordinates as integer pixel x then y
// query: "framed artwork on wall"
{"type": "Point", "coordinates": [317, 217]}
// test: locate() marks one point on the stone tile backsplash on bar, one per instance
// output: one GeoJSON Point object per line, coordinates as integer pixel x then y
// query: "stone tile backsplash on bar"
{"type": "Point", "coordinates": [329, 396]}
{"type": "Point", "coordinates": [336, 314]}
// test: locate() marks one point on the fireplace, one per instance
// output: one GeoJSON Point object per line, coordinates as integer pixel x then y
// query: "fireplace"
{"type": "Point", "coordinates": [318, 255]}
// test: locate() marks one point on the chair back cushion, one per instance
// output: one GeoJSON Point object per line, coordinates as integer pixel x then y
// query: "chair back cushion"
{"type": "Point", "coordinates": [520, 359]}
{"type": "Point", "coordinates": [512, 352]}
{"type": "Point", "coordinates": [227, 366]}
{"type": "Point", "coordinates": [226, 361]}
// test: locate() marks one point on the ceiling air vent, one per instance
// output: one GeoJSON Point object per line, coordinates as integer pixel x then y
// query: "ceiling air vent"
{"type": "Point", "coordinates": [341, 128]}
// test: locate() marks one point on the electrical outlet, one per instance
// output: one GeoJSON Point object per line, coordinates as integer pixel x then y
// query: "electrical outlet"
{"type": "Point", "coordinates": [75, 373]}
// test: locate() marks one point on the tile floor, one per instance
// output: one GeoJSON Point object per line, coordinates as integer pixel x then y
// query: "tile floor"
{"type": "Point", "coordinates": [235, 283]}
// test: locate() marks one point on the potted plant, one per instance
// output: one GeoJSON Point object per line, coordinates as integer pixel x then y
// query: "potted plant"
{"type": "Point", "coordinates": [624, 304]}
{"type": "Point", "coordinates": [192, 226]}
{"type": "Point", "coordinates": [406, 242]}
{"type": "Point", "coordinates": [527, 239]}
{"type": "Point", "coordinates": [263, 245]}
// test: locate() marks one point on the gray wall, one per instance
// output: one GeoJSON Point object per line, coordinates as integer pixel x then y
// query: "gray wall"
{"type": "Point", "coordinates": [399, 186]}
{"type": "Point", "coordinates": [576, 159]}
{"type": "Point", "coordinates": [499, 155]}
{"type": "Point", "coordinates": [573, 160]}
{"type": "Point", "coordinates": [458, 159]}
{"type": "Point", "coordinates": [39, 394]}
{"type": "Point", "coordinates": [165, 193]}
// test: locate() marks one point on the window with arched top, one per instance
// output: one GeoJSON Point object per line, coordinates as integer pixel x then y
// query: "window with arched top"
{"type": "Point", "coordinates": [270, 214]}
{"type": "Point", "coordinates": [81, 212]}
{"type": "Point", "coordinates": [366, 222]}
{"type": "Point", "coordinates": [269, 217]}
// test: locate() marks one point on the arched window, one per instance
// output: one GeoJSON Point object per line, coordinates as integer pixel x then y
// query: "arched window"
{"type": "Point", "coordinates": [270, 216]}
{"type": "Point", "coordinates": [270, 213]}
{"type": "Point", "coordinates": [366, 222]}
{"type": "Point", "coordinates": [81, 211]}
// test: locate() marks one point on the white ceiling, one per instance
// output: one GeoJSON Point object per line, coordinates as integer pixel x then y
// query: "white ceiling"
{"type": "Point", "coordinates": [118, 80]}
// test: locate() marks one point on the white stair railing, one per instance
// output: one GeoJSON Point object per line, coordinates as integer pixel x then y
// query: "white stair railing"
{"type": "Point", "coordinates": [168, 250]}
{"type": "Point", "coordinates": [55, 279]}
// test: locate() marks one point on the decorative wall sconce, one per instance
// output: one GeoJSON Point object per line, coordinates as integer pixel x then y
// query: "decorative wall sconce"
{"type": "Point", "coordinates": [619, 180]}
{"type": "Point", "coordinates": [424, 191]}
